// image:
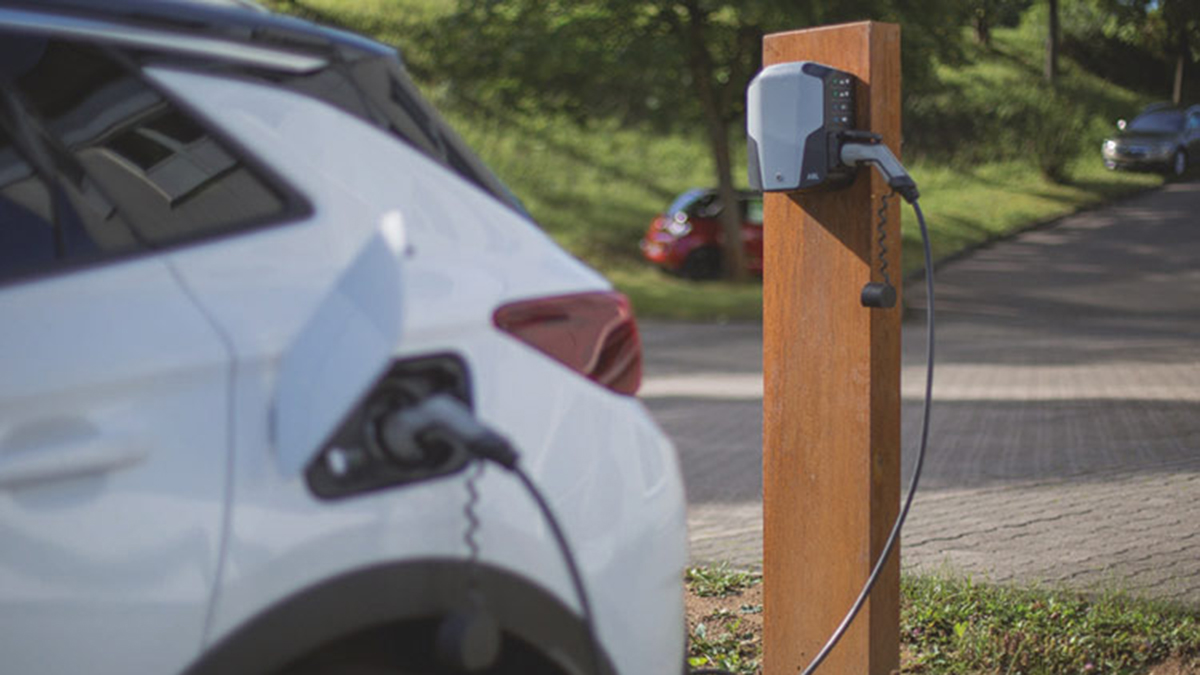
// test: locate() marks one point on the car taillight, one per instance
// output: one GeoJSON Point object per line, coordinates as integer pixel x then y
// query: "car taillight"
{"type": "Point", "coordinates": [592, 333]}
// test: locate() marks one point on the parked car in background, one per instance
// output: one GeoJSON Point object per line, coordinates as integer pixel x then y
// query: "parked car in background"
{"type": "Point", "coordinates": [686, 239]}
{"type": "Point", "coordinates": [1162, 138]}
{"type": "Point", "coordinates": [241, 260]}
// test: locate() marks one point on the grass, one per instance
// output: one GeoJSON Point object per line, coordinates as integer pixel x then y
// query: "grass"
{"type": "Point", "coordinates": [960, 626]}
{"type": "Point", "coordinates": [596, 187]}
{"type": "Point", "coordinates": [951, 625]}
{"type": "Point", "coordinates": [727, 633]}
{"type": "Point", "coordinates": [719, 580]}
{"type": "Point", "coordinates": [729, 648]}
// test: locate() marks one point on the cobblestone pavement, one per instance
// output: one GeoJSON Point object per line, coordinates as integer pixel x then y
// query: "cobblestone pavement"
{"type": "Point", "coordinates": [1065, 441]}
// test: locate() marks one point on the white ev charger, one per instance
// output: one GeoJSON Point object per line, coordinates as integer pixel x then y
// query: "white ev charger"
{"type": "Point", "coordinates": [245, 273]}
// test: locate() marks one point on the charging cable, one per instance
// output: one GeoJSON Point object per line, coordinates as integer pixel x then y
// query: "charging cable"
{"type": "Point", "coordinates": [871, 151]}
{"type": "Point", "coordinates": [861, 147]}
{"type": "Point", "coordinates": [443, 419]}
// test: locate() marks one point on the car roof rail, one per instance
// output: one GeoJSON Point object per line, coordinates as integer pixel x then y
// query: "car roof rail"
{"type": "Point", "coordinates": [242, 24]}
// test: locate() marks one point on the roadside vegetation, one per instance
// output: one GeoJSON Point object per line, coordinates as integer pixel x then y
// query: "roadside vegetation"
{"type": "Point", "coordinates": [994, 148]}
{"type": "Point", "coordinates": [956, 626]}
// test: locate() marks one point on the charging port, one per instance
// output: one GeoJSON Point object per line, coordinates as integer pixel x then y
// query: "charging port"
{"type": "Point", "coordinates": [364, 454]}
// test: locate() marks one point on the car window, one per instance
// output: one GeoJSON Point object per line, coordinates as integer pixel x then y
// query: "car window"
{"type": "Point", "coordinates": [121, 140]}
{"type": "Point", "coordinates": [27, 230]}
{"type": "Point", "coordinates": [1193, 121]}
{"type": "Point", "coordinates": [753, 209]}
{"type": "Point", "coordinates": [683, 201]}
{"type": "Point", "coordinates": [1162, 122]}
{"type": "Point", "coordinates": [412, 118]}
{"type": "Point", "coordinates": [81, 223]}
{"type": "Point", "coordinates": [706, 206]}
{"type": "Point", "coordinates": [377, 90]}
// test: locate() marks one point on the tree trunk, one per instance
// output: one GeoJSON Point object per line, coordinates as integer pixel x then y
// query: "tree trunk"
{"type": "Point", "coordinates": [983, 30]}
{"type": "Point", "coordinates": [1052, 44]}
{"type": "Point", "coordinates": [1177, 95]}
{"type": "Point", "coordinates": [733, 249]}
{"type": "Point", "coordinates": [1180, 61]}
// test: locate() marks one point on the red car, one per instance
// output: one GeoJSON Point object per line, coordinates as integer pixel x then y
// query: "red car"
{"type": "Point", "coordinates": [686, 240]}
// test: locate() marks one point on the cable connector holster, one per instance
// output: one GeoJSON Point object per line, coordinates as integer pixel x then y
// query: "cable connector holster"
{"type": "Point", "coordinates": [878, 295]}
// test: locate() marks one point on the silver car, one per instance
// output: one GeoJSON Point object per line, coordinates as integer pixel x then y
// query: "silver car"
{"type": "Point", "coordinates": [1162, 138]}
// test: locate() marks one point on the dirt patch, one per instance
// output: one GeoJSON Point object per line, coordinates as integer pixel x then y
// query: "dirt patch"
{"type": "Point", "coordinates": [1175, 666]}
{"type": "Point", "coordinates": [746, 607]}
{"type": "Point", "coordinates": [726, 630]}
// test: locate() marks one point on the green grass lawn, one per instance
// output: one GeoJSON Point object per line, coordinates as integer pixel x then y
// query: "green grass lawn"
{"type": "Point", "coordinates": [951, 625]}
{"type": "Point", "coordinates": [596, 187]}
{"type": "Point", "coordinates": [954, 626]}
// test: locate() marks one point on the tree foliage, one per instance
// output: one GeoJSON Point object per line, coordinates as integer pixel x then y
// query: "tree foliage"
{"type": "Point", "coordinates": [1053, 40]}
{"type": "Point", "coordinates": [989, 14]}
{"type": "Point", "coordinates": [672, 64]}
{"type": "Point", "coordinates": [630, 58]}
{"type": "Point", "coordinates": [1168, 29]}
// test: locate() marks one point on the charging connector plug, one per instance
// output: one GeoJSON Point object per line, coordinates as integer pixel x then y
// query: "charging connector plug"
{"type": "Point", "coordinates": [443, 419]}
{"type": "Point", "coordinates": [867, 148]}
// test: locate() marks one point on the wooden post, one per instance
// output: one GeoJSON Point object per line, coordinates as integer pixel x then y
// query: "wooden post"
{"type": "Point", "coordinates": [831, 400]}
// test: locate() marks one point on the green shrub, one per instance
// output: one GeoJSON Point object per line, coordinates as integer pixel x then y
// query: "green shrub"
{"type": "Point", "coordinates": [1043, 124]}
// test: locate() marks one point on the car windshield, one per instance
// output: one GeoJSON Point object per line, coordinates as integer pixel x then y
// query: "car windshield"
{"type": "Point", "coordinates": [684, 200]}
{"type": "Point", "coordinates": [701, 203]}
{"type": "Point", "coordinates": [754, 210]}
{"type": "Point", "coordinates": [1167, 121]}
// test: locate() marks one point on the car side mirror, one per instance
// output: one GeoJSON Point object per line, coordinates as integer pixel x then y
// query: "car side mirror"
{"type": "Point", "coordinates": [1121, 124]}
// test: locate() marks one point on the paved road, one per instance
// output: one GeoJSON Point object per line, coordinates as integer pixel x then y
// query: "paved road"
{"type": "Point", "coordinates": [1066, 431]}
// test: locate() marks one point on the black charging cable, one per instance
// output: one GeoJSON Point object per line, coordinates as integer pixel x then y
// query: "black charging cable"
{"type": "Point", "coordinates": [444, 419]}
{"type": "Point", "coordinates": [868, 148]}
{"type": "Point", "coordinates": [564, 548]}
{"type": "Point", "coordinates": [568, 556]}
{"type": "Point", "coordinates": [894, 536]}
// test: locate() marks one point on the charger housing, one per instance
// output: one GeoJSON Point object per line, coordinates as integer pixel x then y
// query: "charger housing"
{"type": "Point", "coordinates": [795, 114]}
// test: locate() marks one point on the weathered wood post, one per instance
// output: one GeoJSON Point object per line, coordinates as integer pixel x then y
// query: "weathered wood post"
{"type": "Point", "coordinates": [831, 400]}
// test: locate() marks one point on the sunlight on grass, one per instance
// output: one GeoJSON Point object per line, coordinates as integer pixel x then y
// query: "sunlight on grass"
{"type": "Point", "coordinates": [656, 294]}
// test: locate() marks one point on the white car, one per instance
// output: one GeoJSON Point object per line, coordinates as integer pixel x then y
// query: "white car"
{"type": "Point", "coordinates": [234, 249]}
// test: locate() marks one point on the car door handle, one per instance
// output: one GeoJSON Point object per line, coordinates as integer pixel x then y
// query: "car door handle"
{"type": "Point", "coordinates": [70, 459]}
